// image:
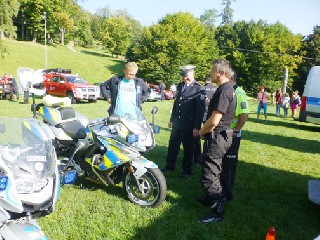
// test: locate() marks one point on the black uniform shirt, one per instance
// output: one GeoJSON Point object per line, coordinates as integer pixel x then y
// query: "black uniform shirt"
{"type": "Point", "coordinates": [224, 101]}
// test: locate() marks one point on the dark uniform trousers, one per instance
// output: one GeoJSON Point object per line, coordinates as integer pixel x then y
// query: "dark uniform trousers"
{"type": "Point", "coordinates": [229, 165]}
{"type": "Point", "coordinates": [186, 137]}
{"type": "Point", "coordinates": [214, 149]}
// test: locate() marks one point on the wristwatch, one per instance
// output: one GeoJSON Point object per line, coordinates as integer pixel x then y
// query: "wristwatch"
{"type": "Point", "coordinates": [235, 130]}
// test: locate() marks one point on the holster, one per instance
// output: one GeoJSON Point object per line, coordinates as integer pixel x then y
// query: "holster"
{"type": "Point", "coordinates": [226, 134]}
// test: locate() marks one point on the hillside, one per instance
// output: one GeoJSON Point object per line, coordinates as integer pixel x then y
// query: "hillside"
{"type": "Point", "coordinates": [90, 65]}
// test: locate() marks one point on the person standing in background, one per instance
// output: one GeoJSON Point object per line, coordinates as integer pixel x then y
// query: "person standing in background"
{"type": "Point", "coordinates": [230, 159]}
{"type": "Point", "coordinates": [295, 103]}
{"type": "Point", "coordinates": [262, 98]}
{"type": "Point", "coordinates": [278, 101]}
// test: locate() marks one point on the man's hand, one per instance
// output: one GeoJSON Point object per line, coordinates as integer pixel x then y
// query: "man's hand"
{"type": "Point", "coordinates": [169, 124]}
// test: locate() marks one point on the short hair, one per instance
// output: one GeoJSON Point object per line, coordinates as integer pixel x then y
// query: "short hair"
{"type": "Point", "coordinates": [223, 65]}
{"type": "Point", "coordinates": [131, 65]}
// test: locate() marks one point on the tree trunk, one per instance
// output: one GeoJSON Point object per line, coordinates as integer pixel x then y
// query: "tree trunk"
{"type": "Point", "coordinates": [62, 36]}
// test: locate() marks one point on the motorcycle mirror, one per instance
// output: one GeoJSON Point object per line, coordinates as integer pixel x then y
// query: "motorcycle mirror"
{"type": "Point", "coordinates": [113, 119]}
{"type": "Point", "coordinates": [154, 110]}
{"type": "Point", "coordinates": [82, 144]}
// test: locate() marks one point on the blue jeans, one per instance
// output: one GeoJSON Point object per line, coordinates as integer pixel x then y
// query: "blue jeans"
{"type": "Point", "coordinates": [265, 108]}
{"type": "Point", "coordinates": [285, 110]}
{"type": "Point", "coordinates": [278, 109]}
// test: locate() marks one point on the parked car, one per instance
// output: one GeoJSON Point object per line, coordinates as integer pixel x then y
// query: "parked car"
{"type": "Point", "coordinates": [103, 95]}
{"type": "Point", "coordinates": [168, 95]}
{"type": "Point", "coordinates": [70, 85]}
{"type": "Point", "coordinates": [154, 94]}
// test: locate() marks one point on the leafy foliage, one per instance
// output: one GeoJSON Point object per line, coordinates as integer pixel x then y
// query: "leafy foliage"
{"type": "Point", "coordinates": [310, 50]}
{"type": "Point", "coordinates": [259, 52]}
{"type": "Point", "coordinates": [8, 9]}
{"type": "Point", "coordinates": [178, 39]}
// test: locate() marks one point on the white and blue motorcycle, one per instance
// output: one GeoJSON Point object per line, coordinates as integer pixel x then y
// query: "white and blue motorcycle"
{"type": "Point", "coordinates": [29, 178]}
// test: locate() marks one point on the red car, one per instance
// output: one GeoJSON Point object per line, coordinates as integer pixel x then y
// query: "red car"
{"type": "Point", "coordinates": [70, 85]}
{"type": "Point", "coordinates": [168, 95]}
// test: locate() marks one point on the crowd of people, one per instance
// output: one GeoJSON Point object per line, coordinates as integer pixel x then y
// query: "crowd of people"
{"type": "Point", "coordinates": [215, 114]}
{"type": "Point", "coordinates": [282, 100]}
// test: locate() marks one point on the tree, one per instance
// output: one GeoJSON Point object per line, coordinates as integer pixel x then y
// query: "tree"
{"type": "Point", "coordinates": [64, 22]}
{"type": "Point", "coordinates": [178, 39]}
{"type": "Point", "coordinates": [8, 10]}
{"type": "Point", "coordinates": [227, 12]}
{"type": "Point", "coordinates": [259, 52]}
{"type": "Point", "coordinates": [116, 35]}
{"type": "Point", "coordinates": [310, 51]}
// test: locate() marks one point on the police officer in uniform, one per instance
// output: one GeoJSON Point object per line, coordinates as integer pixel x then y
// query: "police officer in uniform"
{"type": "Point", "coordinates": [230, 159]}
{"type": "Point", "coordinates": [218, 138]}
{"type": "Point", "coordinates": [209, 89]}
{"type": "Point", "coordinates": [185, 121]}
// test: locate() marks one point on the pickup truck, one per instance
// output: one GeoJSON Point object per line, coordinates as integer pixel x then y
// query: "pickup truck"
{"type": "Point", "coordinates": [70, 85]}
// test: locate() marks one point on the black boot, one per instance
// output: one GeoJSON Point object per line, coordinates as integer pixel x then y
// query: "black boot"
{"type": "Point", "coordinates": [217, 213]}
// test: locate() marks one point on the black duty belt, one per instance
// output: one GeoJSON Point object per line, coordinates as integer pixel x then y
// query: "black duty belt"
{"type": "Point", "coordinates": [226, 134]}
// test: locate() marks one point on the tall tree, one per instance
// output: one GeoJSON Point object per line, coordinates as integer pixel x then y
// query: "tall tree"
{"type": "Point", "coordinates": [64, 22]}
{"type": "Point", "coordinates": [8, 10]}
{"type": "Point", "coordinates": [260, 52]}
{"type": "Point", "coordinates": [310, 51]}
{"type": "Point", "coordinates": [117, 34]}
{"type": "Point", "coordinates": [178, 39]}
{"type": "Point", "coordinates": [227, 12]}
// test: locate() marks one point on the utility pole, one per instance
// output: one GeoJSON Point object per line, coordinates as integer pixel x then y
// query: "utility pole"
{"type": "Point", "coordinates": [45, 38]}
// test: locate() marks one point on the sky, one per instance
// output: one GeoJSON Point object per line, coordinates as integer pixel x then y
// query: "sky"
{"type": "Point", "coordinates": [299, 16]}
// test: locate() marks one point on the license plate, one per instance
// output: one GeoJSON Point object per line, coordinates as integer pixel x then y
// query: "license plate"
{"type": "Point", "coordinates": [36, 158]}
{"type": "Point", "coordinates": [132, 138]}
{"type": "Point", "coordinates": [91, 97]}
{"type": "Point", "coordinates": [70, 177]}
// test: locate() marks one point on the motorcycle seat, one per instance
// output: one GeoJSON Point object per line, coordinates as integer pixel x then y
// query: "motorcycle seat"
{"type": "Point", "coordinates": [74, 129]}
{"type": "Point", "coordinates": [67, 113]}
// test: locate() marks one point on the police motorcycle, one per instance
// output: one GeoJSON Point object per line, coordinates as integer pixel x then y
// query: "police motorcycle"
{"type": "Point", "coordinates": [29, 178]}
{"type": "Point", "coordinates": [106, 150]}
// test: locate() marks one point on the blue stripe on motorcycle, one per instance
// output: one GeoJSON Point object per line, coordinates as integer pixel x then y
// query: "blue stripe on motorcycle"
{"type": "Point", "coordinates": [30, 229]}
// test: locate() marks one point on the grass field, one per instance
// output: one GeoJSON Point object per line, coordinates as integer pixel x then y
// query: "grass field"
{"type": "Point", "coordinates": [92, 66]}
{"type": "Point", "coordinates": [276, 161]}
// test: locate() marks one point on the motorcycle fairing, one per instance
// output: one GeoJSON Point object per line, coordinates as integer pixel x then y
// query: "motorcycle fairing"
{"type": "Point", "coordinates": [24, 230]}
{"type": "Point", "coordinates": [141, 166]}
{"type": "Point", "coordinates": [51, 115]}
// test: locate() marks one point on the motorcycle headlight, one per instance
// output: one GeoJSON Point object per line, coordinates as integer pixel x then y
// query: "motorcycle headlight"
{"type": "Point", "coordinates": [30, 186]}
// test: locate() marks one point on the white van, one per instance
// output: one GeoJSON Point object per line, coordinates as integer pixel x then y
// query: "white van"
{"type": "Point", "coordinates": [310, 102]}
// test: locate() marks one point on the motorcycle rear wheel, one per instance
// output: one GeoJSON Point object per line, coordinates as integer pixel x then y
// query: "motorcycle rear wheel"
{"type": "Point", "coordinates": [153, 185]}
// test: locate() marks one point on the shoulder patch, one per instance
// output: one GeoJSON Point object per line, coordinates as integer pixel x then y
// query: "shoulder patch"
{"type": "Point", "coordinates": [243, 105]}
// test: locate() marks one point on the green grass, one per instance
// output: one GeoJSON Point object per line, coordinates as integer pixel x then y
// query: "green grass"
{"type": "Point", "coordinates": [88, 64]}
{"type": "Point", "coordinates": [276, 161]}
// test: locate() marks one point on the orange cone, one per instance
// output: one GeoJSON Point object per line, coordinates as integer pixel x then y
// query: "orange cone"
{"type": "Point", "coordinates": [271, 235]}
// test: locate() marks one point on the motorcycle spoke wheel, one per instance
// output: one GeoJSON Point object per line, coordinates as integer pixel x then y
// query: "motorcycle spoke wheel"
{"type": "Point", "coordinates": [148, 191]}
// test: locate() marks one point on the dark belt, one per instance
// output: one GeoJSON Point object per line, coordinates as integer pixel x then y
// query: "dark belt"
{"type": "Point", "coordinates": [226, 134]}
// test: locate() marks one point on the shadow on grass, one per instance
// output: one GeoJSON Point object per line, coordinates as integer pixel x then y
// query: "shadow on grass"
{"type": "Point", "coordinates": [94, 53]}
{"type": "Point", "coordinates": [263, 197]}
{"type": "Point", "coordinates": [291, 143]}
{"type": "Point", "coordinates": [290, 124]}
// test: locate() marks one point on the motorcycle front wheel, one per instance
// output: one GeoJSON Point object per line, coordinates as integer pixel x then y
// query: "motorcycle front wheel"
{"type": "Point", "coordinates": [149, 191]}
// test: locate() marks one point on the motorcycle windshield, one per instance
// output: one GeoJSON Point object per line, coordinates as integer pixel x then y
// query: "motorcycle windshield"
{"type": "Point", "coordinates": [132, 117]}
{"type": "Point", "coordinates": [26, 149]}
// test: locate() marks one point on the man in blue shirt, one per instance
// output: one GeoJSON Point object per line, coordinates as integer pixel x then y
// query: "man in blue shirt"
{"type": "Point", "coordinates": [121, 90]}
